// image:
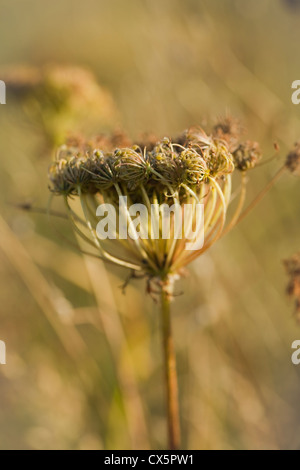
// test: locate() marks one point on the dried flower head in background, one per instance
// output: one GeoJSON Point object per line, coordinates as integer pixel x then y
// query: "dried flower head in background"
{"type": "Point", "coordinates": [230, 129]}
{"type": "Point", "coordinates": [292, 4]}
{"type": "Point", "coordinates": [59, 99]}
{"type": "Point", "coordinates": [247, 155]}
{"type": "Point", "coordinates": [293, 160]}
{"type": "Point", "coordinates": [292, 266]}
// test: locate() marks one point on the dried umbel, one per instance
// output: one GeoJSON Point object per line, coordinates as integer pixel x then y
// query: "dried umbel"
{"type": "Point", "coordinates": [163, 177]}
{"type": "Point", "coordinates": [194, 169]}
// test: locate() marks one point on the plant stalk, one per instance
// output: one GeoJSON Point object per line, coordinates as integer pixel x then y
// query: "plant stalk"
{"type": "Point", "coordinates": [170, 367]}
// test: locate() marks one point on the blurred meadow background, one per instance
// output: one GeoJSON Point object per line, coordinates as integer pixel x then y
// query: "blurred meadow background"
{"type": "Point", "coordinates": [84, 366]}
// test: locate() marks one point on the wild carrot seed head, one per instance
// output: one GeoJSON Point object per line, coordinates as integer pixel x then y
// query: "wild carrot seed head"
{"type": "Point", "coordinates": [195, 167]}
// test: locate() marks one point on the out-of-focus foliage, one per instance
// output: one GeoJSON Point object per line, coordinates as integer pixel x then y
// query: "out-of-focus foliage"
{"type": "Point", "coordinates": [60, 99]}
{"type": "Point", "coordinates": [84, 365]}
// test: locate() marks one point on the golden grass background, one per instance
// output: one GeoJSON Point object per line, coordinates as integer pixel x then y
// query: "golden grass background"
{"type": "Point", "coordinates": [84, 361]}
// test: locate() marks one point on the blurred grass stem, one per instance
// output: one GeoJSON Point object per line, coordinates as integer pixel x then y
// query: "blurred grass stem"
{"type": "Point", "coordinates": [262, 194]}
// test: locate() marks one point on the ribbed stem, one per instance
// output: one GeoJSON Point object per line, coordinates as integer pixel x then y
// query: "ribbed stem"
{"type": "Point", "coordinates": [170, 367]}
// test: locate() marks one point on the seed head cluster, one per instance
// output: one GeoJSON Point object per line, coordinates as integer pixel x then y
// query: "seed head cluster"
{"type": "Point", "coordinates": [90, 167]}
{"type": "Point", "coordinates": [195, 167]}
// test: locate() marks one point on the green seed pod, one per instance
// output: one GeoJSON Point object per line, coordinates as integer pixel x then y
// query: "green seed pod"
{"type": "Point", "coordinates": [67, 175]}
{"type": "Point", "coordinates": [103, 172]}
{"type": "Point", "coordinates": [218, 159]}
{"type": "Point", "coordinates": [194, 165]}
{"type": "Point", "coordinates": [214, 151]}
{"type": "Point", "coordinates": [132, 166]}
{"type": "Point", "coordinates": [56, 174]}
{"type": "Point", "coordinates": [168, 169]}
